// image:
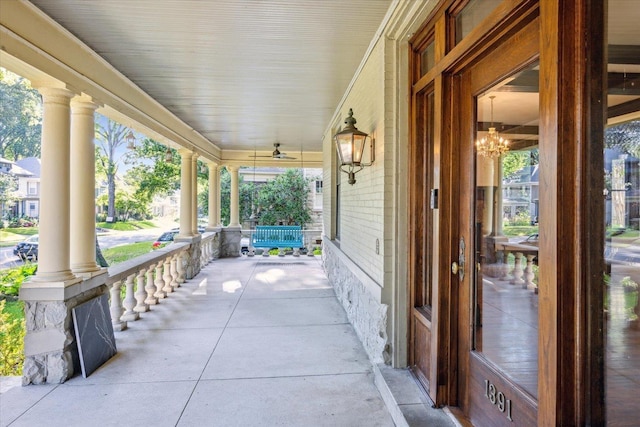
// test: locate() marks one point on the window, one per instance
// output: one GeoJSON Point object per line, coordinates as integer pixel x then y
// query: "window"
{"type": "Point", "coordinates": [318, 186]}
{"type": "Point", "coordinates": [469, 15]}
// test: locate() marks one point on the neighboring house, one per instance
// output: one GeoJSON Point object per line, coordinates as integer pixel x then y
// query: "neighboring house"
{"type": "Point", "coordinates": [166, 206]}
{"type": "Point", "coordinates": [27, 172]}
{"type": "Point", "coordinates": [520, 194]}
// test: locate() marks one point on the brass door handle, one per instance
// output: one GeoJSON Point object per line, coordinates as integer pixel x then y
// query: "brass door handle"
{"type": "Point", "coordinates": [454, 267]}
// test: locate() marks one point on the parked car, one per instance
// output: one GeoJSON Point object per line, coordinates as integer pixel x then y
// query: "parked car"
{"type": "Point", "coordinates": [532, 239]}
{"type": "Point", "coordinates": [27, 249]}
{"type": "Point", "coordinates": [168, 236]}
{"type": "Point", "coordinates": [165, 238]}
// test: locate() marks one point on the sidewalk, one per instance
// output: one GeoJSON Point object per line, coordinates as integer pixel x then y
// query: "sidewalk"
{"type": "Point", "coordinates": [248, 342]}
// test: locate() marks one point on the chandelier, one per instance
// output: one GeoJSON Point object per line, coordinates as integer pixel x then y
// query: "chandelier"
{"type": "Point", "coordinates": [492, 145]}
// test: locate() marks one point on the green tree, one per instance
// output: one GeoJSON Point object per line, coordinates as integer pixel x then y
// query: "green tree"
{"type": "Point", "coordinates": [514, 161]}
{"type": "Point", "coordinates": [245, 189]}
{"type": "Point", "coordinates": [8, 192]}
{"type": "Point", "coordinates": [283, 200]}
{"type": "Point", "coordinates": [152, 174]}
{"type": "Point", "coordinates": [624, 137]}
{"type": "Point", "coordinates": [20, 117]}
{"type": "Point", "coordinates": [109, 137]}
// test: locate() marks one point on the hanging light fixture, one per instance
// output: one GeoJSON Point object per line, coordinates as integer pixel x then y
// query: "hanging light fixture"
{"type": "Point", "coordinates": [168, 155]}
{"type": "Point", "coordinates": [350, 143]}
{"type": "Point", "coordinates": [131, 141]}
{"type": "Point", "coordinates": [492, 145]}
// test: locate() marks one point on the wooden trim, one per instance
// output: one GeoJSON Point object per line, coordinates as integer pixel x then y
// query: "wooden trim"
{"type": "Point", "coordinates": [572, 75]}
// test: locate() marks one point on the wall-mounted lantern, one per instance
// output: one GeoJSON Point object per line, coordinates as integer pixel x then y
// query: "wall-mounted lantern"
{"type": "Point", "coordinates": [350, 143]}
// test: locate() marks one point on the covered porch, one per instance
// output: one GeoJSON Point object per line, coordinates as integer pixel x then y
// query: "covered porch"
{"type": "Point", "coordinates": [248, 341]}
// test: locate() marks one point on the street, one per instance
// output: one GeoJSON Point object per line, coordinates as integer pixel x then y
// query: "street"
{"type": "Point", "coordinates": [106, 240]}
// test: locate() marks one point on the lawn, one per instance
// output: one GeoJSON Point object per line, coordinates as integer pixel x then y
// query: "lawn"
{"type": "Point", "coordinates": [122, 253]}
{"type": "Point", "coordinates": [126, 226]}
{"type": "Point", "coordinates": [11, 236]}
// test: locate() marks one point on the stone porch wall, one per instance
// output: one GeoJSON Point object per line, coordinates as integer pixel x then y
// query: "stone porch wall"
{"type": "Point", "coordinates": [360, 297]}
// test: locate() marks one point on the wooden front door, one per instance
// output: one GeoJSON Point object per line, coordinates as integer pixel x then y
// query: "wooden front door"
{"type": "Point", "coordinates": [494, 265]}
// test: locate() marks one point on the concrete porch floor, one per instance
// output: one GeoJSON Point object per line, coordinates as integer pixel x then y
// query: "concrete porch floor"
{"type": "Point", "coordinates": [248, 342]}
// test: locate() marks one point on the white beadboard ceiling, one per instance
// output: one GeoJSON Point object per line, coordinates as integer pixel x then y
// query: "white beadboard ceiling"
{"type": "Point", "coordinates": [242, 73]}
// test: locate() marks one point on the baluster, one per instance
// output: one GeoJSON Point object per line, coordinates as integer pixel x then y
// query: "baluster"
{"type": "Point", "coordinates": [175, 276]}
{"type": "Point", "coordinates": [167, 276]}
{"type": "Point", "coordinates": [517, 269]}
{"type": "Point", "coordinates": [210, 250]}
{"type": "Point", "coordinates": [160, 293]}
{"type": "Point", "coordinates": [181, 267]}
{"type": "Point", "coordinates": [116, 308]}
{"type": "Point", "coordinates": [129, 301]}
{"type": "Point", "coordinates": [528, 273]}
{"type": "Point", "coordinates": [141, 293]}
{"type": "Point", "coordinates": [505, 266]}
{"type": "Point", "coordinates": [151, 287]}
{"type": "Point", "coordinates": [296, 252]}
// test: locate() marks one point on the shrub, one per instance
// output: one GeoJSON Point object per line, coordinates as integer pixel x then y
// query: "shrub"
{"type": "Point", "coordinates": [12, 278]}
{"type": "Point", "coordinates": [12, 333]}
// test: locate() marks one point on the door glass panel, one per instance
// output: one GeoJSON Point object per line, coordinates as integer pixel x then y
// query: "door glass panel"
{"type": "Point", "coordinates": [622, 215]}
{"type": "Point", "coordinates": [471, 15]}
{"type": "Point", "coordinates": [506, 228]}
{"type": "Point", "coordinates": [427, 58]}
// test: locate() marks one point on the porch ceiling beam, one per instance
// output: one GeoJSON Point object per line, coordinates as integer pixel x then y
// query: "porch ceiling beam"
{"type": "Point", "coordinates": [618, 83]}
{"type": "Point", "coordinates": [624, 108]}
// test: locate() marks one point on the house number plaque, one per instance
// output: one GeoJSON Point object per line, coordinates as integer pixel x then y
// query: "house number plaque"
{"type": "Point", "coordinates": [497, 398]}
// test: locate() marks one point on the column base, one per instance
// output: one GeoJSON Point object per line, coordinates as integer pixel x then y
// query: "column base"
{"type": "Point", "coordinates": [51, 352]}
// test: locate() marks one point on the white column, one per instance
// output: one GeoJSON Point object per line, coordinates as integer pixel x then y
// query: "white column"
{"type": "Point", "coordinates": [234, 203]}
{"type": "Point", "coordinates": [214, 201]}
{"type": "Point", "coordinates": [194, 196]}
{"type": "Point", "coordinates": [186, 192]}
{"type": "Point", "coordinates": [83, 177]}
{"type": "Point", "coordinates": [53, 250]}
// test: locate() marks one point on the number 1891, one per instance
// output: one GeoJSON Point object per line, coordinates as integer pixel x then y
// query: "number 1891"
{"type": "Point", "coordinates": [497, 398]}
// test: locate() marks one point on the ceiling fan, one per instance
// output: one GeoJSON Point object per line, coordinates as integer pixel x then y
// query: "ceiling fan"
{"type": "Point", "coordinates": [277, 154]}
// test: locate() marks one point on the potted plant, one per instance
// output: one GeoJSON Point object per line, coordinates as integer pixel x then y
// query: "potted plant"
{"type": "Point", "coordinates": [630, 298]}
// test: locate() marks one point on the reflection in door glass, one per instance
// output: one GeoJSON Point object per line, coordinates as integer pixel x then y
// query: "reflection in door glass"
{"type": "Point", "coordinates": [506, 229]}
{"type": "Point", "coordinates": [622, 216]}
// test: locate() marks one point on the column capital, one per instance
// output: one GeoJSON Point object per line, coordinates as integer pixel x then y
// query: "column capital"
{"type": "Point", "coordinates": [55, 94]}
{"type": "Point", "coordinates": [185, 152]}
{"type": "Point", "coordinates": [85, 101]}
{"type": "Point", "coordinates": [232, 168]}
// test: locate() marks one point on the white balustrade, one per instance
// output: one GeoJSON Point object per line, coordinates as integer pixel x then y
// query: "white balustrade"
{"type": "Point", "coordinates": [153, 278]}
